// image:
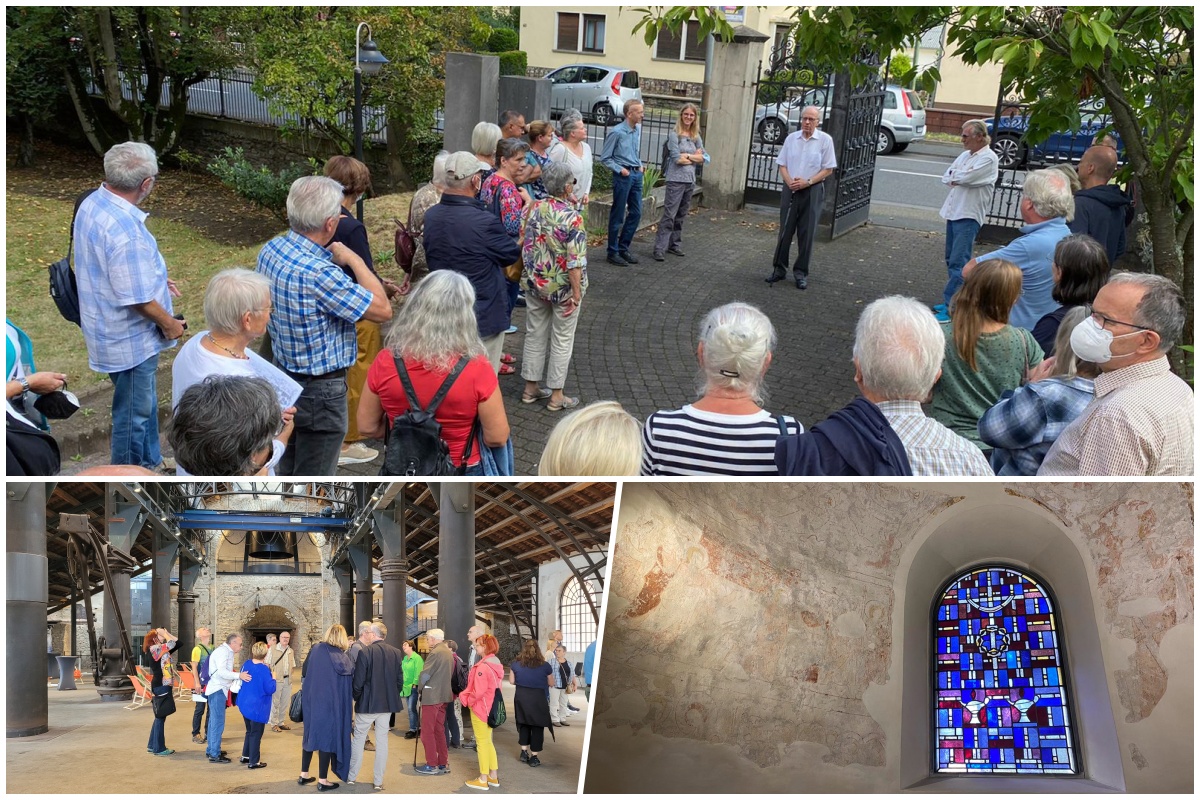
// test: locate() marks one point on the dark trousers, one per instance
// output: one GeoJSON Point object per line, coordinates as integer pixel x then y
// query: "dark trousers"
{"type": "Point", "coordinates": [453, 736]}
{"type": "Point", "coordinates": [198, 717]}
{"type": "Point", "coordinates": [466, 722]}
{"type": "Point", "coordinates": [158, 736]}
{"type": "Point", "coordinates": [626, 211]}
{"type": "Point", "coordinates": [528, 735]}
{"type": "Point", "coordinates": [250, 745]}
{"type": "Point", "coordinates": [433, 734]}
{"type": "Point", "coordinates": [322, 418]}
{"type": "Point", "coordinates": [322, 762]}
{"type": "Point", "coordinates": [799, 213]}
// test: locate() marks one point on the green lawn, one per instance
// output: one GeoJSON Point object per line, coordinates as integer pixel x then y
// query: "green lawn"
{"type": "Point", "coordinates": [36, 232]}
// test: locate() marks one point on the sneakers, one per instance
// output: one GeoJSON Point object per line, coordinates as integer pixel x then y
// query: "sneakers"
{"type": "Point", "coordinates": [495, 784]}
{"type": "Point", "coordinates": [572, 709]}
{"type": "Point", "coordinates": [357, 453]}
{"type": "Point", "coordinates": [410, 735]}
{"type": "Point", "coordinates": [444, 769]}
{"type": "Point", "coordinates": [511, 329]}
{"type": "Point", "coordinates": [425, 769]}
{"type": "Point", "coordinates": [675, 251]}
{"type": "Point", "coordinates": [659, 256]}
{"type": "Point", "coordinates": [199, 739]}
{"type": "Point", "coordinates": [525, 756]}
{"type": "Point", "coordinates": [165, 753]}
{"type": "Point", "coordinates": [534, 761]}
{"type": "Point", "coordinates": [478, 783]}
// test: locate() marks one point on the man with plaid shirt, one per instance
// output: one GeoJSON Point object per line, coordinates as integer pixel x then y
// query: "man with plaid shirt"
{"type": "Point", "coordinates": [125, 298]}
{"type": "Point", "coordinates": [312, 328]}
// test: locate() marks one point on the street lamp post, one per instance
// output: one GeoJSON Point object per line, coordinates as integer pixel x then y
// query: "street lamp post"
{"type": "Point", "coordinates": [367, 60]}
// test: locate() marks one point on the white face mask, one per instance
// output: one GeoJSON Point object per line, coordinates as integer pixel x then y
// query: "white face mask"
{"type": "Point", "coordinates": [1092, 342]}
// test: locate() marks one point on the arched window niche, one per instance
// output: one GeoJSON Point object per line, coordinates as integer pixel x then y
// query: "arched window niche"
{"type": "Point", "coordinates": [1008, 534]}
{"type": "Point", "coordinates": [575, 618]}
{"type": "Point", "coordinates": [1002, 701]}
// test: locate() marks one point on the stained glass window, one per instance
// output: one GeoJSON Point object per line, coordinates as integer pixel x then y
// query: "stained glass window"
{"type": "Point", "coordinates": [1001, 685]}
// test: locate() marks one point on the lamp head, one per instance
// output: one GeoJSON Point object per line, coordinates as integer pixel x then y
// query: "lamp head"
{"type": "Point", "coordinates": [370, 60]}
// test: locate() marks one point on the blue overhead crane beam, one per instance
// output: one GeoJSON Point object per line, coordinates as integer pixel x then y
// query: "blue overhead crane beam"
{"type": "Point", "coordinates": [198, 519]}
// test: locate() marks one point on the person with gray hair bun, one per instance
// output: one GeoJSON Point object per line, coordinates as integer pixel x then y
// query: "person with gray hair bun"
{"type": "Point", "coordinates": [1023, 426]}
{"type": "Point", "coordinates": [225, 425]}
{"type": "Point", "coordinates": [1046, 204]}
{"type": "Point", "coordinates": [313, 338]}
{"type": "Point", "coordinates": [898, 351]}
{"type": "Point", "coordinates": [726, 431]}
{"type": "Point", "coordinates": [125, 298]}
{"type": "Point", "coordinates": [237, 306]}
{"type": "Point", "coordinates": [555, 281]}
{"type": "Point", "coordinates": [1142, 421]}
{"type": "Point", "coordinates": [425, 198]}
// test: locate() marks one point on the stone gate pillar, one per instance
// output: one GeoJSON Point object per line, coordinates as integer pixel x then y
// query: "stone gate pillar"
{"type": "Point", "coordinates": [472, 89]}
{"type": "Point", "coordinates": [727, 135]}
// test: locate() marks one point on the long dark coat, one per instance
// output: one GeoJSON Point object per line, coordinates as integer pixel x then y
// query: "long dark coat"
{"type": "Point", "coordinates": [328, 699]}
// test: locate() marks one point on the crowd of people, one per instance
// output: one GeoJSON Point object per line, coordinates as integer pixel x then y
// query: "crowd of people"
{"type": "Point", "coordinates": [1038, 360]}
{"type": "Point", "coordinates": [351, 687]}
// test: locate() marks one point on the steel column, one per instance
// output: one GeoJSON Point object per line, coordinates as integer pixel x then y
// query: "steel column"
{"type": "Point", "coordinates": [456, 559]}
{"type": "Point", "coordinates": [189, 572]}
{"type": "Point", "coordinates": [166, 550]}
{"type": "Point", "coordinates": [393, 569]}
{"type": "Point", "coordinates": [345, 582]}
{"type": "Point", "coordinates": [364, 593]}
{"type": "Point", "coordinates": [122, 522]}
{"type": "Point", "coordinates": [27, 710]}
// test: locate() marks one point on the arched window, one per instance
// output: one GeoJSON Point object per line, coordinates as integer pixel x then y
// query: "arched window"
{"type": "Point", "coordinates": [1001, 704]}
{"type": "Point", "coordinates": [575, 618]}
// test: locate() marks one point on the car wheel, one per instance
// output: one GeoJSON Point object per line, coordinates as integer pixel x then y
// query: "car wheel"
{"type": "Point", "coordinates": [1010, 152]}
{"type": "Point", "coordinates": [885, 142]}
{"type": "Point", "coordinates": [771, 130]}
{"type": "Point", "coordinates": [900, 148]}
{"type": "Point", "coordinates": [602, 113]}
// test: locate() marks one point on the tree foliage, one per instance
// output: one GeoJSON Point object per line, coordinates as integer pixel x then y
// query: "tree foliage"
{"type": "Point", "coordinates": [304, 62]}
{"type": "Point", "coordinates": [674, 18]}
{"type": "Point", "coordinates": [260, 185]}
{"type": "Point", "coordinates": [33, 71]}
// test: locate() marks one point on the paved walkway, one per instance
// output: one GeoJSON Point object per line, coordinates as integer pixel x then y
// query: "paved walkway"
{"type": "Point", "coordinates": [99, 747]}
{"type": "Point", "coordinates": [636, 339]}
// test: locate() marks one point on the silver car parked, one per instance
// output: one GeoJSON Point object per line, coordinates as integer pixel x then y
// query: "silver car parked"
{"type": "Point", "coordinates": [903, 119]}
{"type": "Point", "coordinates": [599, 92]}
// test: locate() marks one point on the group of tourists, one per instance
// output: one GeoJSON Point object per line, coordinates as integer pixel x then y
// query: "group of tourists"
{"type": "Point", "coordinates": [349, 687]}
{"type": "Point", "coordinates": [1037, 362]}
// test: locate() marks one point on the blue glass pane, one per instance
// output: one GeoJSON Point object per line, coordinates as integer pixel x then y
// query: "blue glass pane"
{"type": "Point", "coordinates": [1001, 699]}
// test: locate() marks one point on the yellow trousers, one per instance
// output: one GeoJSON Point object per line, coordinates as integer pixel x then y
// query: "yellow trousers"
{"type": "Point", "coordinates": [370, 342]}
{"type": "Point", "coordinates": [483, 745]}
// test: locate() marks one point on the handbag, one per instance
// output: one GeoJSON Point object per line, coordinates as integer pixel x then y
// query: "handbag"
{"type": "Point", "coordinates": [164, 704]}
{"type": "Point", "coordinates": [405, 243]}
{"type": "Point", "coordinates": [296, 709]}
{"type": "Point", "coordinates": [497, 716]}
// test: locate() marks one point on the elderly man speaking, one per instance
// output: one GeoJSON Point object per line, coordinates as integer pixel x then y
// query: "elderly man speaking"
{"type": "Point", "coordinates": [312, 329]}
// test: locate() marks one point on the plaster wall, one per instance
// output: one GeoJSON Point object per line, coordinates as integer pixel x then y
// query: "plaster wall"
{"type": "Point", "coordinates": [763, 637]}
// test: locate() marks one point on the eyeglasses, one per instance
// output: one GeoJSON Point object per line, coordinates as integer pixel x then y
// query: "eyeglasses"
{"type": "Point", "coordinates": [1104, 321]}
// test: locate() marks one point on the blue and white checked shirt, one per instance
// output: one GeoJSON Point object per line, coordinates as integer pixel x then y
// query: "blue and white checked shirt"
{"type": "Point", "coordinates": [118, 266]}
{"type": "Point", "coordinates": [316, 306]}
{"type": "Point", "coordinates": [932, 448]}
{"type": "Point", "coordinates": [1024, 424]}
{"type": "Point", "coordinates": [622, 147]}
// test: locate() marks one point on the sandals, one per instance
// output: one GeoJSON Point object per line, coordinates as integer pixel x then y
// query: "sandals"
{"type": "Point", "coordinates": [507, 369]}
{"type": "Point", "coordinates": [508, 358]}
{"type": "Point", "coordinates": [542, 394]}
{"type": "Point", "coordinates": [567, 403]}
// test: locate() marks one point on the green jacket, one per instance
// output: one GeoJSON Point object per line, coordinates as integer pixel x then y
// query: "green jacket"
{"type": "Point", "coordinates": [413, 665]}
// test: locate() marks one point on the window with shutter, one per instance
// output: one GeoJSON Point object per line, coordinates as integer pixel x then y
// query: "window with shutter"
{"type": "Point", "coordinates": [568, 32]}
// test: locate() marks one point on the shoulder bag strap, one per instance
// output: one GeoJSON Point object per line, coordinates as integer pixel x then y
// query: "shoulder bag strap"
{"type": "Point", "coordinates": [71, 231]}
{"type": "Point", "coordinates": [782, 425]}
{"type": "Point", "coordinates": [476, 431]}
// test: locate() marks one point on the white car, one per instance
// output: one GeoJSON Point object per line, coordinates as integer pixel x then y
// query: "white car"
{"type": "Point", "coordinates": [903, 119]}
{"type": "Point", "coordinates": [598, 91]}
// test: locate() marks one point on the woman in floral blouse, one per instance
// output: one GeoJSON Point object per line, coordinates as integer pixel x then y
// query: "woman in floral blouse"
{"type": "Point", "coordinates": [555, 280]}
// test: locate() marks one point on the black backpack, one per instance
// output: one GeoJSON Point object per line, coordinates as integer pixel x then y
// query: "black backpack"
{"type": "Point", "coordinates": [63, 288]}
{"type": "Point", "coordinates": [458, 676]}
{"type": "Point", "coordinates": [414, 445]}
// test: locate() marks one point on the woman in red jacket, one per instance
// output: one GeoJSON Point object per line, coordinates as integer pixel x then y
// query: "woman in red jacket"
{"type": "Point", "coordinates": [482, 684]}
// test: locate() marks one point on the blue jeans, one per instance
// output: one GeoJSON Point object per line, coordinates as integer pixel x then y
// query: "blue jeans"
{"type": "Point", "coordinates": [135, 415]}
{"type": "Point", "coordinates": [216, 723]}
{"type": "Point", "coordinates": [626, 211]}
{"type": "Point", "coordinates": [414, 712]}
{"type": "Point", "coordinates": [960, 242]}
{"type": "Point", "coordinates": [158, 736]}
{"type": "Point", "coordinates": [452, 731]}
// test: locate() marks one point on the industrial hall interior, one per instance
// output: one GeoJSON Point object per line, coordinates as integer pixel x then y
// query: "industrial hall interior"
{"type": "Point", "coordinates": [104, 579]}
{"type": "Point", "coordinates": [898, 637]}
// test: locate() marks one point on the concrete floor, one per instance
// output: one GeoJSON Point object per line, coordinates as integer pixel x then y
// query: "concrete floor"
{"type": "Point", "coordinates": [94, 747]}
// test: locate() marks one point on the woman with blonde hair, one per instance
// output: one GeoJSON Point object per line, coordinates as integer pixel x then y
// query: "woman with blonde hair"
{"type": "Point", "coordinates": [597, 440]}
{"type": "Point", "coordinates": [685, 150]}
{"type": "Point", "coordinates": [727, 431]}
{"type": "Point", "coordinates": [327, 701]}
{"type": "Point", "coordinates": [985, 356]}
{"type": "Point", "coordinates": [541, 136]}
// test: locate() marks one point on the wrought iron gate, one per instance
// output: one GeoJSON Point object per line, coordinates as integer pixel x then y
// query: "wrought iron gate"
{"type": "Point", "coordinates": [856, 156]}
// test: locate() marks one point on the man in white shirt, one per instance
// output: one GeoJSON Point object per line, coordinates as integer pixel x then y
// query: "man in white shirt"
{"type": "Point", "coordinates": [282, 660]}
{"type": "Point", "coordinates": [221, 676]}
{"type": "Point", "coordinates": [805, 161]}
{"type": "Point", "coordinates": [972, 181]}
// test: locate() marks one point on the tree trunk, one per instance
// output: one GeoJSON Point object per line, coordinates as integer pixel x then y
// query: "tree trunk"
{"type": "Point", "coordinates": [397, 170]}
{"type": "Point", "coordinates": [81, 102]}
{"type": "Point", "coordinates": [25, 149]}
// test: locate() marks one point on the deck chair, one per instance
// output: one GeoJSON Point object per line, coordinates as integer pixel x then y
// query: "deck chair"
{"type": "Point", "coordinates": [141, 692]}
{"type": "Point", "coordinates": [143, 672]}
{"type": "Point", "coordinates": [186, 683]}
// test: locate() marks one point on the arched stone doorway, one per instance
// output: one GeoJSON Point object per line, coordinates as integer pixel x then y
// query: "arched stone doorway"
{"type": "Point", "coordinates": [269, 619]}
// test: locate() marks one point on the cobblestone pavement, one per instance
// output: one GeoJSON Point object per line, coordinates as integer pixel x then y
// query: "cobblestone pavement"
{"type": "Point", "coordinates": [636, 338]}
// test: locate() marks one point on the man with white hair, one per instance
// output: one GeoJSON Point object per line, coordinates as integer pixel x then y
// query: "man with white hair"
{"type": "Point", "coordinates": [972, 181]}
{"type": "Point", "coordinates": [898, 351]}
{"type": "Point", "coordinates": [125, 298]}
{"type": "Point", "coordinates": [316, 306]}
{"type": "Point", "coordinates": [805, 161]}
{"type": "Point", "coordinates": [1046, 203]}
{"type": "Point", "coordinates": [378, 681]}
{"type": "Point", "coordinates": [435, 696]}
{"type": "Point", "coordinates": [1142, 421]}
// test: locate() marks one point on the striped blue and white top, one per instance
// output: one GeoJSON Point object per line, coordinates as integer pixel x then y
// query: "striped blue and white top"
{"type": "Point", "coordinates": [688, 441]}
